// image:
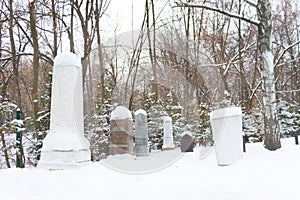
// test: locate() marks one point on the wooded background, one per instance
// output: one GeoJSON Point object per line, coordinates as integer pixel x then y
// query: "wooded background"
{"type": "Point", "coordinates": [188, 58]}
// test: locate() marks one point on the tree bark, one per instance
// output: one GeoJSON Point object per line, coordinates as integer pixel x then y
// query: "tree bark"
{"type": "Point", "coordinates": [100, 53]}
{"type": "Point", "coordinates": [54, 29]}
{"type": "Point", "coordinates": [13, 54]}
{"type": "Point", "coordinates": [272, 134]}
{"type": "Point", "coordinates": [35, 82]}
{"type": "Point", "coordinates": [5, 151]}
{"type": "Point", "coordinates": [244, 97]}
{"type": "Point", "coordinates": [71, 37]}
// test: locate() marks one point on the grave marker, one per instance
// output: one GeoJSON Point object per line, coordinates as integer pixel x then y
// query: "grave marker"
{"type": "Point", "coordinates": [227, 132]}
{"type": "Point", "coordinates": [121, 136]}
{"type": "Point", "coordinates": [168, 143]}
{"type": "Point", "coordinates": [65, 146]}
{"type": "Point", "coordinates": [187, 142]}
{"type": "Point", "coordinates": [141, 133]}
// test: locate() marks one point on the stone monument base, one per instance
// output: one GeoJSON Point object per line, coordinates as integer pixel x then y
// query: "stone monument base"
{"type": "Point", "coordinates": [167, 148]}
{"type": "Point", "coordinates": [64, 159]}
{"type": "Point", "coordinates": [140, 151]}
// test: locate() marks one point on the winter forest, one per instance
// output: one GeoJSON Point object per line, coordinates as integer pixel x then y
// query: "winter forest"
{"type": "Point", "coordinates": [177, 58]}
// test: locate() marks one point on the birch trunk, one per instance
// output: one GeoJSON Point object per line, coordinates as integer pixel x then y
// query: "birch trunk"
{"type": "Point", "coordinates": [272, 134]}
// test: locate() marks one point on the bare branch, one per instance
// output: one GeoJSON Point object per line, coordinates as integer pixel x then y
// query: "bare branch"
{"type": "Point", "coordinates": [288, 91]}
{"type": "Point", "coordinates": [236, 56]}
{"type": "Point", "coordinates": [251, 3]}
{"type": "Point", "coordinates": [285, 50]}
{"type": "Point", "coordinates": [232, 15]}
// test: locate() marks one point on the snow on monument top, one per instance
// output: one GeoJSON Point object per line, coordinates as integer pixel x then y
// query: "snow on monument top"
{"type": "Point", "coordinates": [140, 111]}
{"type": "Point", "coordinates": [167, 119]}
{"type": "Point", "coordinates": [187, 133]}
{"type": "Point", "coordinates": [67, 59]}
{"type": "Point", "coordinates": [120, 112]}
{"type": "Point", "coordinates": [225, 112]}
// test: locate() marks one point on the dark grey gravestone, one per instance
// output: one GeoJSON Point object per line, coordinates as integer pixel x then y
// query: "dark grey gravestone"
{"type": "Point", "coordinates": [141, 133]}
{"type": "Point", "coordinates": [187, 142]}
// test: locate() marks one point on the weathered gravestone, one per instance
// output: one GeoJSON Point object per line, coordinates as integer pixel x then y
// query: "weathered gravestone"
{"type": "Point", "coordinates": [121, 136]}
{"type": "Point", "coordinates": [65, 145]}
{"type": "Point", "coordinates": [227, 132]}
{"type": "Point", "coordinates": [141, 133]}
{"type": "Point", "coordinates": [187, 142]}
{"type": "Point", "coordinates": [168, 143]}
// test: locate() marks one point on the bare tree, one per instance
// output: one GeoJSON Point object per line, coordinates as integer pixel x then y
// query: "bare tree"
{"type": "Point", "coordinates": [36, 63]}
{"type": "Point", "coordinates": [13, 53]}
{"type": "Point", "coordinates": [264, 26]}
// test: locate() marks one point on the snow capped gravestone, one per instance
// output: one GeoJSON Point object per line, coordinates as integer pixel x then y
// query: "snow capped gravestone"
{"type": "Point", "coordinates": [141, 133]}
{"type": "Point", "coordinates": [168, 134]}
{"type": "Point", "coordinates": [226, 126]}
{"type": "Point", "coordinates": [121, 136]}
{"type": "Point", "coordinates": [65, 145]}
{"type": "Point", "coordinates": [187, 142]}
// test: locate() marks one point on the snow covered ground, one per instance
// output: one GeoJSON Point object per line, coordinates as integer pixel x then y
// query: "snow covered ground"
{"type": "Point", "coordinates": [260, 175]}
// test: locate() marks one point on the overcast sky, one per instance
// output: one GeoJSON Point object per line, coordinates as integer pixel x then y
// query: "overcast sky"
{"type": "Point", "coordinates": [121, 13]}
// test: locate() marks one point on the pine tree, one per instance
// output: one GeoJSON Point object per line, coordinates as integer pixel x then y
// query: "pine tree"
{"type": "Point", "coordinates": [203, 133]}
{"type": "Point", "coordinates": [289, 118]}
{"type": "Point", "coordinates": [98, 129]}
{"type": "Point", "coordinates": [155, 125]}
{"type": "Point", "coordinates": [8, 127]}
{"type": "Point", "coordinates": [36, 137]}
{"type": "Point", "coordinates": [174, 110]}
{"type": "Point", "coordinates": [253, 125]}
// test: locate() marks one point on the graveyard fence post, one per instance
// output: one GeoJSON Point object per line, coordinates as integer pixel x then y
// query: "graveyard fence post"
{"type": "Point", "coordinates": [18, 142]}
{"type": "Point", "coordinates": [244, 142]}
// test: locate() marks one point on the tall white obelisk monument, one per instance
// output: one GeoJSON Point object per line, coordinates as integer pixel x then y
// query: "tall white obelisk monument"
{"type": "Point", "coordinates": [65, 146]}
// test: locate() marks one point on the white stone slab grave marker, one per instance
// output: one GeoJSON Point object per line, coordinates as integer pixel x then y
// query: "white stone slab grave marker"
{"type": "Point", "coordinates": [168, 143]}
{"type": "Point", "coordinates": [65, 146]}
{"type": "Point", "coordinates": [141, 133]}
{"type": "Point", "coordinates": [226, 126]}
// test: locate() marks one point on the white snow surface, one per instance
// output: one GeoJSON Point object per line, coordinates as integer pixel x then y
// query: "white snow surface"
{"type": "Point", "coordinates": [67, 59]}
{"type": "Point", "coordinates": [187, 133]}
{"type": "Point", "coordinates": [225, 112]}
{"type": "Point", "coordinates": [120, 112]}
{"type": "Point", "coordinates": [140, 111]}
{"type": "Point", "coordinates": [261, 175]}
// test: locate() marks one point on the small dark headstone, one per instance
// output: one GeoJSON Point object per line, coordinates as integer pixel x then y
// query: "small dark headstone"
{"type": "Point", "coordinates": [187, 142]}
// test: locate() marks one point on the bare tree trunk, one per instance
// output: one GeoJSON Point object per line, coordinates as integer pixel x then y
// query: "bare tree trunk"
{"type": "Point", "coordinates": [152, 44]}
{"type": "Point", "coordinates": [36, 66]}
{"type": "Point", "coordinates": [13, 54]}
{"type": "Point", "coordinates": [244, 97]}
{"type": "Point", "coordinates": [272, 134]}
{"type": "Point", "coordinates": [187, 63]}
{"type": "Point", "coordinates": [100, 53]}
{"type": "Point", "coordinates": [86, 20]}
{"type": "Point", "coordinates": [71, 37]}
{"type": "Point", "coordinates": [54, 29]}
{"type": "Point", "coordinates": [5, 151]}
{"type": "Point", "coordinates": [154, 66]}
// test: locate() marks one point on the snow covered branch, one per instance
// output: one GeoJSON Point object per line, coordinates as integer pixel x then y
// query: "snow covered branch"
{"type": "Point", "coordinates": [284, 51]}
{"type": "Point", "coordinates": [236, 56]}
{"type": "Point", "coordinates": [229, 14]}
{"type": "Point", "coordinates": [288, 91]}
